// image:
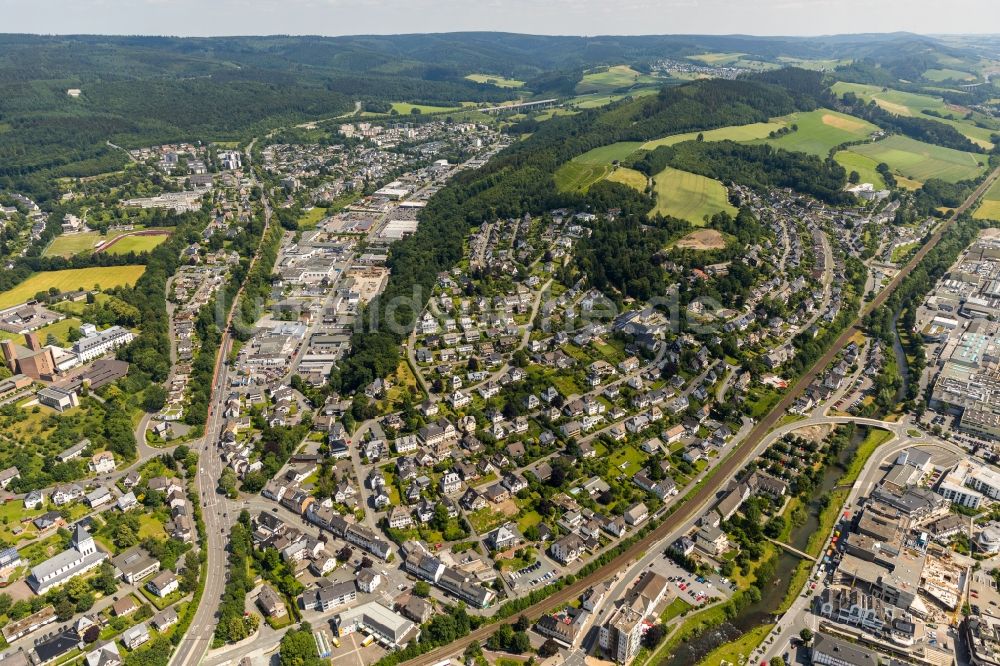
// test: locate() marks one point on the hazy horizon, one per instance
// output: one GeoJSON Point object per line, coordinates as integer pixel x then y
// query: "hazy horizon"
{"type": "Point", "coordinates": [331, 18]}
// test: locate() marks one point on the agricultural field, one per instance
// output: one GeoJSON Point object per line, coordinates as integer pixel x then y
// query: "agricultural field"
{"type": "Point", "coordinates": [614, 78]}
{"type": "Point", "coordinates": [732, 133]}
{"type": "Point", "coordinates": [594, 100]}
{"type": "Point", "coordinates": [865, 166]}
{"type": "Point", "coordinates": [405, 108]}
{"type": "Point", "coordinates": [989, 207]}
{"type": "Point", "coordinates": [921, 161]}
{"type": "Point", "coordinates": [634, 179]}
{"type": "Point", "coordinates": [689, 196]}
{"type": "Point", "coordinates": [584, 170]}
{"type": "Point", "coordinates": [493, 79]}
{"type": "Point", "coordinates": [70, 280]}
{"type": "Point", "coordinates": [717, 58]}
{"type": "Point", "coordinates": [945, 74]}
{"type": "Point", "coordinates": [819, 131]}
{"type": "Point", "coordinates": [914, 104]}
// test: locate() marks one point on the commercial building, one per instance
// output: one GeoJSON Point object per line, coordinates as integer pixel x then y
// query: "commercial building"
{"type": "Point", "coordinates": [98, 343]}
{"type": "Point", "coordinates": [831, 651]}
{"type": "Point", "coordinates": [390, 629]}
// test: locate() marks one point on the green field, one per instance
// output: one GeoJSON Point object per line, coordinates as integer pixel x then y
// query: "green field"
{"type": "Point", "coordinates": [311, 217]}
{"type": "Point", "coordinates": [584, 170]}
{"type": "Point", "coordinates": [819, 131]}
{"type": "Point", "coordinates": [945, 74]}
{"type": "Point", "coordinates": [732, 133]}
{"type": "Point", "coordinates": [865, 166]}
{"type": "Point", "coordinates": [914, 104]}
{"type": "Point", "coordinates": [492, 79]}
{"type": "Point", "coordinates": [136, 244]}
{"type": "Point", "coordinates": [614, 78]}
{"type": "Point", "coordinates": [989, 207]}
{"type": "Point", "coordinates": [594, 100]}
{"type": "Point", "coordinates": [920, 161]}
{"type": "Point", "coordinates": [689, 196]}
{"type": "Point", "coordinates": [70, 280]}
{"type": "Point", "coordinates": [717, 58]}
{"type": "Point", "coordinates": [404, 108]}
{"type": "Point", "coordinates": [69, 245]}
{"type": "Point", "coordinates": [631, 177]}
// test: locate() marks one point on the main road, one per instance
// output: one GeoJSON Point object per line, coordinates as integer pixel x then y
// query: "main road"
{"type": "Point", "coordinates": [736, 459]}
{"type": "Point", "coordinates": [219, 513]}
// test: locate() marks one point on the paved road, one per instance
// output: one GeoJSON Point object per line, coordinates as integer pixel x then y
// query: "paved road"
{"type": "Point", "coordinates": [741, 453]}
{"type": "Point", "coordinates": [219, 513]}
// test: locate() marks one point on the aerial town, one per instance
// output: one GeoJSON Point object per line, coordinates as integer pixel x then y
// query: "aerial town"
{"type": "Point", "coordinates": [677, 365]}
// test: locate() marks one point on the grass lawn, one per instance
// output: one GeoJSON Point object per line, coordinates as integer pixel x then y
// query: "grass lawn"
{"type": "Point", "coordinates": [819, 131]}
{"type": "Point", "coordinates": [901, 252]}
{"type": "Point", "coordinates": [71, 279]}
{"type": "Point", "coordinates": [865, 166]}
{"type": "Point", "coordinates": [60, 330]}
{"type": "Point", "coordinates": [485, 520]}
{"type": "Point", "coordinates": [989, 206]}
{"type": "Point", "coordinates": [920, 161]}
{"type": "Point", "coordinates": [634, 179]}
{"type": "Point", "coordinates": [737, 651]}
{"type": "Point", "coordinates": [674, 609]}
{"type": "Point", "coordinates": [876, 438]}
{"type": "Point", "coordinates": [311, 217]}
{"type": "Point", "coordinates": [584, 170]}
{"type": "Point", "coordinates": [732, 133]}
{"type": "Point", "coordinates": [150, 527]}
{"type": "Point", "coordinates": [528, 519]}
{"type": "Point", "coordinates": [493, 79]}
{"type": "Point", "coordinates": [689, 196]}
{"type": "Point", "coordinates": [136, 244]}
{"type": "Point", "coordinates": [629, 456]}
{"type": "Point", "coordinates": [594, 100]}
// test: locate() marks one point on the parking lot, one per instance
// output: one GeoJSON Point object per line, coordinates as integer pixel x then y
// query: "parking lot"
{"type": "Point", "coordinates": [351, 653]}
{"type": "Point", "coordinates": [539, 574]}
{"type": "Point", "coordinates": [692, 589]}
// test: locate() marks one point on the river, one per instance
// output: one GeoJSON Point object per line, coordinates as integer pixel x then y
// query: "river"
{"type": "Point", "coordinates": [695, 650]}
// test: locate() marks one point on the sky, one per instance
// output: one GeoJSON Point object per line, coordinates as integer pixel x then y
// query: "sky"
{"type": "Point", "coordinates": [552, 17]}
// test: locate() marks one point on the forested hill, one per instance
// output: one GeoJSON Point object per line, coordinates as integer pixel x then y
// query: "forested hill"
{"type": "Point", "coordinates": [521, 180]}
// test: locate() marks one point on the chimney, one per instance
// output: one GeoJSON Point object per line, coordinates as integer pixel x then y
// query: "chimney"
{"type": "Point", "coordinates": [31, 342]}
{"type": "Point", "coordinates": [9, 354]}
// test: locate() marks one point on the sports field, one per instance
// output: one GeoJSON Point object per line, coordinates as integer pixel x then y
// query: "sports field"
{"type": "Point", "coordinates": [819, 131]}
{"type": "Point", "coordinates": [492, 79]}
{"type": "Point", "coordinates": [614, 78]}
{"type": "Point", "coordinates": [70, 280]}
{"type": "Point", "coordinates": [631, 177]}
{"type": "Point", "coordinates": [72, 244]}
{"type": "Point", "coordinates": [920, 161]}
{"type": "Point", "coordinates": [584, 170]}
{"type": "Point", "coordinates": [989, 207]}
{"type": "Point", "coordinates": [733, 133]}
{"type": "Point", "coordinates": [689, 196]}
{"type": "Point", "coordinates": [865, 166]}
{"type": "Point", "coordinates": [136, 244]}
